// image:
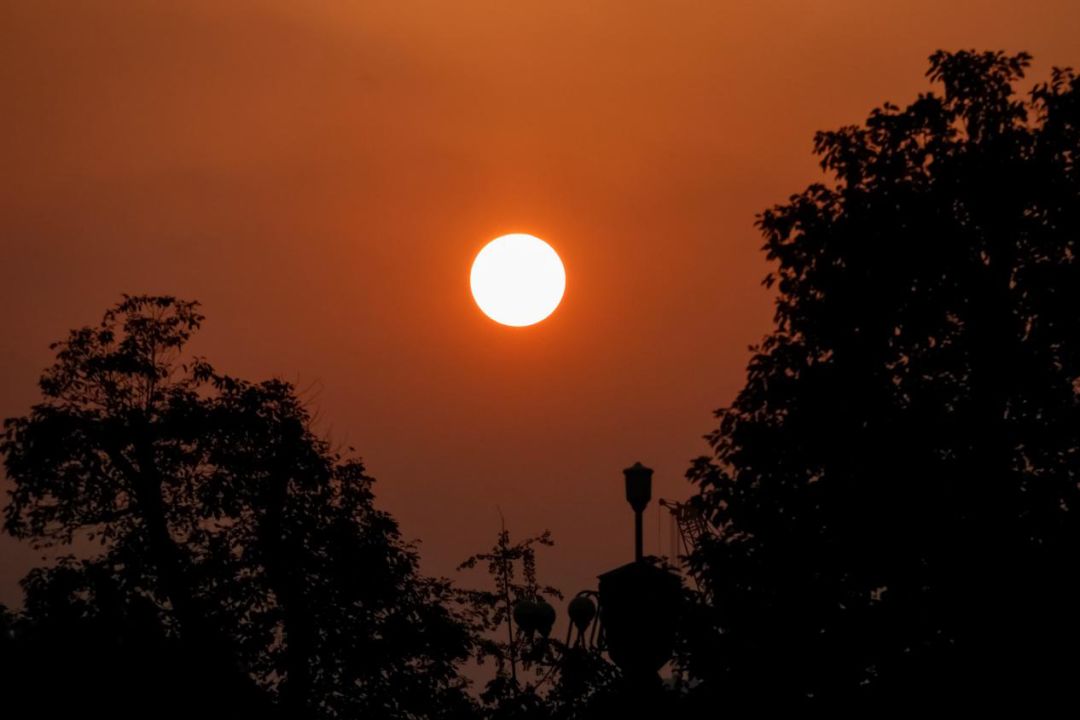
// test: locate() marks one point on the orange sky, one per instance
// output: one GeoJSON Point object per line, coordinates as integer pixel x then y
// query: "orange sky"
{"type": "Point", "coordinates": [320, 175]}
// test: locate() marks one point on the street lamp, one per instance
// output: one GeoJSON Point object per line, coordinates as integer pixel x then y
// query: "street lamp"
{"type": "Point", "coordinates": [638, 494]}
{"type": "Point", "coordinates": [639, 602]}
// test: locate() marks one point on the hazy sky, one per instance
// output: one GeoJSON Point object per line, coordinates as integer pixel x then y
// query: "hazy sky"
{"type": "Point", "coordinates": [320, 176]}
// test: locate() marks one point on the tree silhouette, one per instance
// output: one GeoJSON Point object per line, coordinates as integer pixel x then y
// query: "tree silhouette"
{"type": "Point", "coordinates": [78, 649]}
{"type": "Point", "coordinates": [230, 535]}
{"type": "Point", "coordinates": [537, 677]}
{"type": "Point", "coordinates": [897, 483]}
{"type": "Point", "coordinates": [498, 606]}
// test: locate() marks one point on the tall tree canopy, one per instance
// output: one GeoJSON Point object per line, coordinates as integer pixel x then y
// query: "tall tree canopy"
{"type": "Point", "coordinates": [897, 483]}
{"type": "Point", "coordinates": [227, 529]}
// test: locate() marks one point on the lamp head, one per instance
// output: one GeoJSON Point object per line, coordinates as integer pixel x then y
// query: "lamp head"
{"type": "Point", "coordinates": [638, 486]}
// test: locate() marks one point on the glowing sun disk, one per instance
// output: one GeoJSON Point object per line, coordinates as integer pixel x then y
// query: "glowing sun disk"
{"type": "Point", "coordinates": [517, 280]}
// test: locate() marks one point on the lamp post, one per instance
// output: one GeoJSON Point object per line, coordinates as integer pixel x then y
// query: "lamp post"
{"type": "Point", "coordinates": [638, 494]}
{"type": "Point", "coordinates": [639, 602]}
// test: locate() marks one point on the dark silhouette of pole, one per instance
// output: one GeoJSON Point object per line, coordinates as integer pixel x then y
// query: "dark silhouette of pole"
{"type": "Point", "coordinates": [638, 550]}
{"type": "Point", "coordinates": [638, 494]}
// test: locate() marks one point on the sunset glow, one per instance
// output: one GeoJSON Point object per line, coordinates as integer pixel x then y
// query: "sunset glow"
{"type": "Point", "coordinates": [541, 360]}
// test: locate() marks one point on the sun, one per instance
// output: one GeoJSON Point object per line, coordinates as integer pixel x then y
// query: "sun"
{"type": "Point", "coordinates": [517, 280]}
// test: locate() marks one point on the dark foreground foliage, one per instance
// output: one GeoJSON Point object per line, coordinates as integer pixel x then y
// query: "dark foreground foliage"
{"type": "Point", "coordinates": [897, 483]}
{"type": "Point", "coordinates": [238, 557]}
